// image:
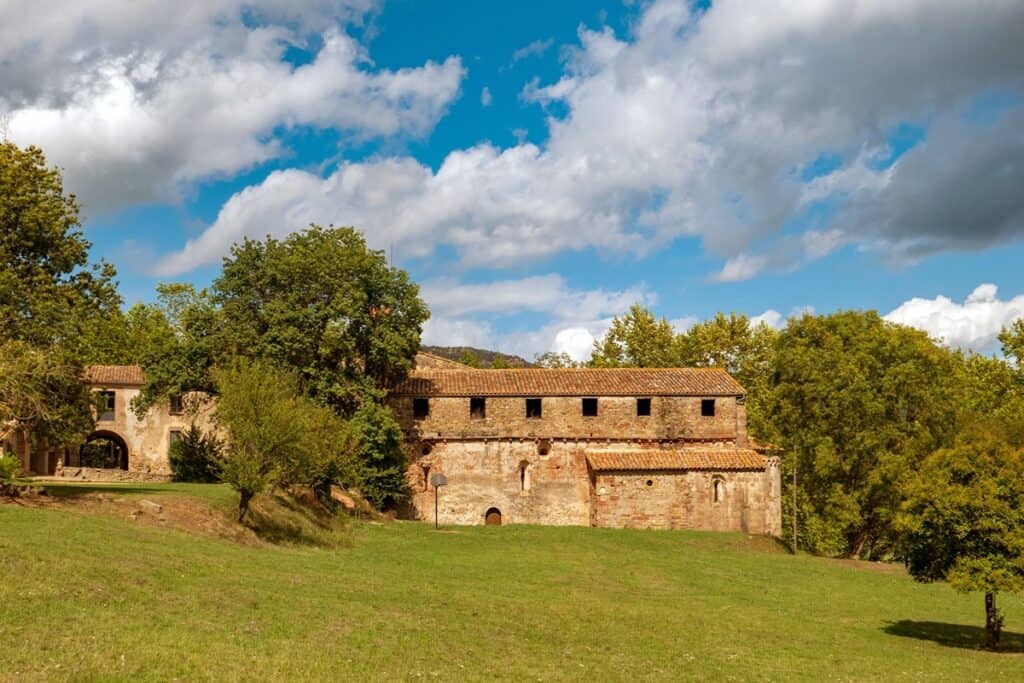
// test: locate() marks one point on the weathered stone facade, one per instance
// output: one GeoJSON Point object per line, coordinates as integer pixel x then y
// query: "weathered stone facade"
{"type": "Point", "coordinates": [664, 449]}
{"type": "Point", "coordinates": [145, 442]}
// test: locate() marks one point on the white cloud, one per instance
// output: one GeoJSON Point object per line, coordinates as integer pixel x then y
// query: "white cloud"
{"type": "Point", "coordinates": [771, 318]}
{"type": "Point", "coordinates": [485, 97]}
{"type": "Point", "coordinates": [564, 318]}
{"type": "Point", "coordinates": [578, 342]}
{"type": "Point", "coordinates": [535, 49]}
{"type": "Point", "coordinates": [137, 102]}
{"type": "Point", "coordinates": [694, 125]}
{"type": "Point", "coordinates": [974, 324]}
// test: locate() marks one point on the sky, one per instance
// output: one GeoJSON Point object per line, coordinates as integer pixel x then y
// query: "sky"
{"type": "Point", "coordinates": [539, 167]}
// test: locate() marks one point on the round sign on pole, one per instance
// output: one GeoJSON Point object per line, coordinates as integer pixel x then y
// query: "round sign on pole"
{"type": "Point", "coordinates": [438, 480]}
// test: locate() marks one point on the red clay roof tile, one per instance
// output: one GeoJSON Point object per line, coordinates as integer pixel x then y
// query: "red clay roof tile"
{"type": "Point", "coordinates": [571, 382]}
{"type": "Point", "coordinates": [114, 374]}
{"type": "Point", "coordinates": [676, 459]}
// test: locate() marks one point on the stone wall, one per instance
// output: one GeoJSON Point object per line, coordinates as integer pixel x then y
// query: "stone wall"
{"type": "Point", "coordinates": [554, 489]}
{"type": "Point", "coordinates": [747, 501]}
{"type": "Point", "coordinates": [672, 417]}
{"type": "Point", "coordinates": [149, 439]}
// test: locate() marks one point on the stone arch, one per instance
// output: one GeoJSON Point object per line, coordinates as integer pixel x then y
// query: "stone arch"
{"type": "Point", "coordinates": [114, 456]}
{"type": "Point", "coordinates": [492, 517]}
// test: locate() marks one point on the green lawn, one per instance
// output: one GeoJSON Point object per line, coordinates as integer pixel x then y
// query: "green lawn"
{"type": "Point", "coordinates": [97, 597]}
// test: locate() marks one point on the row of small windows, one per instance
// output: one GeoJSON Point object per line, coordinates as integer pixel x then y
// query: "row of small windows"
{"type": "Point", "coordinates": [535, 410]}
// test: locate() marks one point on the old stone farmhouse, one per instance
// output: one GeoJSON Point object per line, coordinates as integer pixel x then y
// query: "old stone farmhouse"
{"type": "Point", "coordinates": [121, 441]}
{"type": "Point", "coordinates": [650, 448]}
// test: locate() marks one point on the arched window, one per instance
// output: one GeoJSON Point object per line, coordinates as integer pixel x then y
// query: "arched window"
{"type": "Point", "coordinates": [524, 476]}
{"type": "Point", "coordinates": [717, 490]}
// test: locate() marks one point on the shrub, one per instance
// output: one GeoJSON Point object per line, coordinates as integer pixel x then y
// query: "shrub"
{"type": "Point", "coordinates": [196, 457]}
{"type": "Point", "coordinates": [10, 473]}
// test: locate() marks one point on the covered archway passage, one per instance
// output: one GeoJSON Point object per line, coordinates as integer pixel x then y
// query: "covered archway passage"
{"type": "Point", "coordinates": [105, 450]}
{"type": "Point", "coordinates": [493, 517]}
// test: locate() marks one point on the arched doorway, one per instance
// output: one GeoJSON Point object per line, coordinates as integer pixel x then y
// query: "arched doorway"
{"type": "Point", "coordinates": [104, 450]}
{"type": "Point", "coordinates": [493, 517]}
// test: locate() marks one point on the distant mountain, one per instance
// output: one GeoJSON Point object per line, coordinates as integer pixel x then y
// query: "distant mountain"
{"type": "Point", "coordinates": [484, 358]}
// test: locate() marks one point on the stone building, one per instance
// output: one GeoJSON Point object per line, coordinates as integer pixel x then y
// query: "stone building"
{"type": "Point", "coordinates": [650, 448]}
{"type": "Point", "coordinates": [121, 441]}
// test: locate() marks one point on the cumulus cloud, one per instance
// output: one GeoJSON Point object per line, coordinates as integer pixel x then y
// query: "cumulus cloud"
{"type": "Point", "coordinates": [136, 102]}
{"type": "Point", "coordinates": [564, 318]}
{"type": "Point", "coordinates": [701, 125]}
{"type": "Point", "coordinates": [973, 324]}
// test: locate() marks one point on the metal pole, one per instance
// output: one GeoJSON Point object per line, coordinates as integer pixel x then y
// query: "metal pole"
{"type": "Point", "coordinates": [435, 508]}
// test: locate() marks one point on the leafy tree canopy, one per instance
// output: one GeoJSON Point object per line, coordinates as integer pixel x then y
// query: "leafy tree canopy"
{"type": "Point", "coordinates": [637, 339]}
{"type": "Point", "coordinates": [50, 296]}
{"type": "Point", "coordinates": [858, 403]}
{"type": "Point", "coordinates": [963, 520]}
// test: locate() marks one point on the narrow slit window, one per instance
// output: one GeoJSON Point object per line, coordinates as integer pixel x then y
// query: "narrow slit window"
{"type": "Point", "coordinates": [478, 408]}
{"type": "Point", "coordinates": [707, 407]}
{"type": "Point", "coordinates": [420, 408]}
{"type": "Point", "coordinates": [590, 407]}
{"type": "Point", "coordinates": [643, 407]}
{"type": "Point", "coordinates": [533, 408]}
{"type": "Point", "coordinates": [718, 490]}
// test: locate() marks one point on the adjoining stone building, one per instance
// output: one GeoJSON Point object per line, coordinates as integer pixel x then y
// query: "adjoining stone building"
{"type": "Point", "coordinates": [649, 448]}
{"type": "Point", "coordinates": [121, 440]}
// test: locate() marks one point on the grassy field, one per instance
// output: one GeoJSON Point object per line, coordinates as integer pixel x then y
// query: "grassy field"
{"type": "Point", "coordinates": [91, 596]}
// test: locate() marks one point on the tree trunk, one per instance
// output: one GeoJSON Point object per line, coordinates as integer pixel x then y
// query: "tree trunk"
{"type": "Point", "coordinates": [243, 504]}
{"type": "Point", "coordinates": [993, 622]}
{"type": "Point", "coordinates": [857, 544]}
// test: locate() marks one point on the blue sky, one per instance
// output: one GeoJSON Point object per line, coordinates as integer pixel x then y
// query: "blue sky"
{"type": "Point", "coordinates": [538, 167]}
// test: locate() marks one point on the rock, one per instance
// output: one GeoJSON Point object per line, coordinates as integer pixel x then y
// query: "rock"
{"type": "Point", "coordinates": [150, 507]}
{"type": "Point", "coordinates": [342, 498]}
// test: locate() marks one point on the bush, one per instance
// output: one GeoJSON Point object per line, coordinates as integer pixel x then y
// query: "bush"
{"type": "Point", "coordinates": [382, 460]}
{"type": "Point", "coordinates": [10, 473]}
{"type": "Point", "coordinates": [196, 457]}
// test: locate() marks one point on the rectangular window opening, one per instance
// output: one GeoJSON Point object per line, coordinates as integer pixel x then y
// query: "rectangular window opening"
{"type": "Point", "coordinates": [533, 408]}
{"type": "Point", "coordinates": [590, 407]}
{"type": "Point", "coordinates": [478, 408]}
{"type": "Point", "coordinates": [707, 407]}
{"type": "Point", "coordinates": [420, 408]}
{"type": "Point", "coordinates": [643, 407]}
{"type": "Point", "coordinates": [177, 405]}
{"type": "Point", "coordinates": [107, 403]}
{"type": "Point", "coordinates": [175, 436]}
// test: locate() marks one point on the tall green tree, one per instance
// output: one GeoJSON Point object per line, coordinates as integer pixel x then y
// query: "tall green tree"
{"type": "Point", "coordinates": [1012, 339]}
{"type": "Point", "coordinates": [637, 339]}
{"type": "Point", "coordinates": [963, 521]}
{"type": "Point", "coordinates": [50, 295]}
{"type": "Point", "coordinates": [54, 303]}
{"type": "Point", "coordinates": [746, 350]}
{"type": "Point", "coordinates": [323, 303]}
{"type": "Point", "coordinates": [858, 403]}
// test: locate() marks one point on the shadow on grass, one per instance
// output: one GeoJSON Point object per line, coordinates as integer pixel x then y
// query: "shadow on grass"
{"type": "Point", "coordinates": [953, 635]}
{"type": "Point", "coordinates": [84, 489]}
{"type": "Point", "coordinates": [280, 519]}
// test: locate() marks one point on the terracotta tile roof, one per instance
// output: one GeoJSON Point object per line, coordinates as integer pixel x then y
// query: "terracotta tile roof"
{"type": "Point", "coordinates": [677, 459]}
{"type": "Point", "coordinates": [572, 382]}
{"type": "Point", "coordinates": [764, 447]}
{"type": "Point", "coordinates": [114, 374]}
